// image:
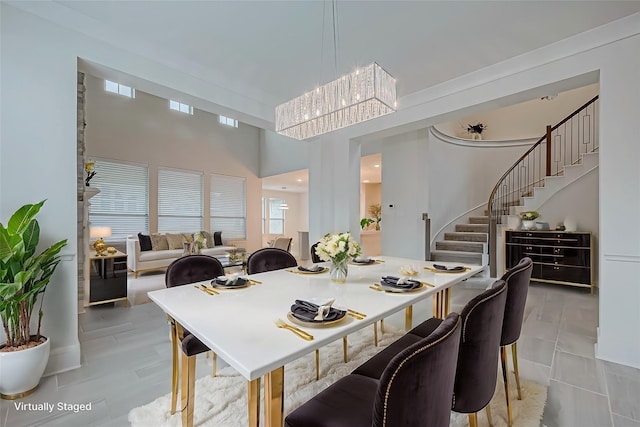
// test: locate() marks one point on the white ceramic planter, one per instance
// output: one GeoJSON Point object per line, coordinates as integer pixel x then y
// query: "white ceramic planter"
{"type": "Point", "coordinates": [528, 224]}
{"type": "Point", "coordinates": [20, 371]}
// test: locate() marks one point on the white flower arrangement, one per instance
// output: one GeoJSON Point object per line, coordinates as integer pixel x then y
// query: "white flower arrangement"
{"type": "Point", "coordinates": [337, 247]}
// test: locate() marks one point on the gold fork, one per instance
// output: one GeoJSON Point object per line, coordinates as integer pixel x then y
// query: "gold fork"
{"type": "Point", "coordinates": [299, 332]}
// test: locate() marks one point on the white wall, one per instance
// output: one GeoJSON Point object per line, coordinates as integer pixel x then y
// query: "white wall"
{"type": "Point", "coordinates": [144, 130]}
{"type": "Point", "coordinates": [523, 120]}
{"type": "Point", "coordinates": [281, 154]}
{"type": "Point", "coordinates": [38, 158]}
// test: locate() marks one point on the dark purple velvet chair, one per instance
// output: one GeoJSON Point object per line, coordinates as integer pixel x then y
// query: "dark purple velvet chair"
{"type": "Point", "coordinates": [314, 256]}
{"type": "Point", "coordinates": [477, 364]}
{"type": "Point", "coordinates": [183, 271]}
{"type": "Point", "coordinates": [517, 279]}
{"type": "Point", "coordinates": [415, 389]}
{"type": "Point", "coordinates": [269, 259]}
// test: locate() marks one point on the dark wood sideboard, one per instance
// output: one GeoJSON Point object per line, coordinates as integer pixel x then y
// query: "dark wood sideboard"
{"type": "Point", "coordinates": [560, 257]}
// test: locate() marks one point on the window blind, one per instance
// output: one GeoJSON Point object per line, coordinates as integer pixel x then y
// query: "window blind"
{"type": "Point", "coordinates": [179, 201]}
{"type": "Point", "coordinates": [122, 203]}
{"type": "Point", "coordinates": [228, 206]}
{"type": "Point", "coordinates": [276, 216]}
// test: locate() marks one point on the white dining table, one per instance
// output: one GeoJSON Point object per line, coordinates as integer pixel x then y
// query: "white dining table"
{"type": "Point", "coordinates": [238, 324]}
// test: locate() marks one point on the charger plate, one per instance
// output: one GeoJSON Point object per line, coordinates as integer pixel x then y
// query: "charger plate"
{"type": "Point", "coordinates": [435, 270]}
{"type": "Point", "coordinates": [391, 290]}
{"type": "Point", "coordinates": [372, 262]}
{"type": "Point", "coordinates": [225, 287]}
{"type": "Point", "coordinates": [324, 270]}
{"type": "Point", "coordinates": [301, 322]}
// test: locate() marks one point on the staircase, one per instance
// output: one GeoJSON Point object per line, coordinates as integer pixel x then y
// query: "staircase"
{"type": "Point", "coordinates": [467, 244]}
{"type": "Point", "coordinates": [567, 151]}
{"type": "Point", "coordinates": [552, 184]}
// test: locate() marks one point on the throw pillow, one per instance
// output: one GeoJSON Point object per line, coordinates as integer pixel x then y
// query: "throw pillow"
{"type": "Point", "coordinates": [159, 242]}
{"type": "Point", "coordinates": [175, 241]}
{"type": "Point", "coordinates": [145, 242]}
{"type": "Point", "coordinates": [188, 237]}
{"type": "Point", "coordinates": [217, 238]}
{"type": "Point", "coordinates": [209, 239]}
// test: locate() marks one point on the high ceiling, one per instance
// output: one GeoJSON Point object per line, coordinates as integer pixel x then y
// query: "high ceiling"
{"type": "Point", "coordinates": [267, 52]}
{"type": "Point", "coordinates": [272, 51]}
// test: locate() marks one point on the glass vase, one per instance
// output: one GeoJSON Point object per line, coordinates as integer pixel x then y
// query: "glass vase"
{"type": "Point", "coordinates": [338, 270]}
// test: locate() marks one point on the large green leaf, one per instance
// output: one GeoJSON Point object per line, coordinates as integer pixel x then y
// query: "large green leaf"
{"type": "Point", "coordinates": [21, 218]}
{"type": "Point", "coordinates": [23, 274]}
{"type": "Point", "coordinates": [31, 237]}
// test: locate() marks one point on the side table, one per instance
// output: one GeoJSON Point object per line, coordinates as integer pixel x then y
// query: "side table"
{"type": "Point", "coordinates": [108, 278]}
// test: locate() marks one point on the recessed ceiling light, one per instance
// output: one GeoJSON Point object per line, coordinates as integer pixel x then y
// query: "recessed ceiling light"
{"type": "Point", "coordinates": [376, 166]}
{"type": "Point", "coordinates": [365, 181]}
{"type": "Point", "coordinates": [299, 179]}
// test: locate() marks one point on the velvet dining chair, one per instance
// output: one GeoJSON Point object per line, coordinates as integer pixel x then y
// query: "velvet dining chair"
{"type": "Point", "coordinates": [183, 271]}
{"type": "Point", "coordinates": [517, 279]}
{"type": "Point", "coordinates": [269, 259]}
{"type": "Point", "coordinates": [415, 389]}
{"type": "Point", "coordinates": [314, 256]}
{"type": "Point", "coordinates": [481, 323]}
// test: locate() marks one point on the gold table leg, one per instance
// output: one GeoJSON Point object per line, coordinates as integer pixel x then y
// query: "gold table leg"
{"type": "Point", "coordinates": [253, 390]}
{"type": "Point", "coordinates": [408, 318]}
{"type": "Point", "coordinates": [375, 334]}
{"type": "Point", "coordinates": [174, 367]}
{"type": "Point", "coordinates": [274, 398]}
{"type": "Point", "coordinates": [317, 365]}
{"type": "Point", "coordinates": [188, 394]}
{"type": "Point", "coordinates": [382, 325]}
{"type": "Point", "coordinates": [442, 303]}
{"type": "Point", "coordinates": [344, 349]}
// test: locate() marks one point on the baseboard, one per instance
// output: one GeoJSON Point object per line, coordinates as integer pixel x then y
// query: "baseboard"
{"type": "Point", "coordinates": [63, 359]}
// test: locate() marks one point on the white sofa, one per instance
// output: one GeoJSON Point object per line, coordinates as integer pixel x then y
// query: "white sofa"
{"type": "Point", "coordinates": [138, 260]}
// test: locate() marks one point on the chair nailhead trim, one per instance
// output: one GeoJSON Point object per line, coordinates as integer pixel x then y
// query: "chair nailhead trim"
{"type": "Point", "coordinates": [420, 350]}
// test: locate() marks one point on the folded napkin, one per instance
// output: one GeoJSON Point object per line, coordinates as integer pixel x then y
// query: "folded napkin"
{"type": "Point", "coordinates": [399, 282]}
{"type": "Point", "coordinates": [309, 312]}
{"type": "Point", "coordinates": [230, 281]}
{"type": "Point", "coordinates": [312, 269]}
{"type": "Point", "coordinates": [445, 268]}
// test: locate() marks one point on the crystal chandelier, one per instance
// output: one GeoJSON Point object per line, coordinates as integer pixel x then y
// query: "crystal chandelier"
{"type": "Point", "coordinates": [364, 94]}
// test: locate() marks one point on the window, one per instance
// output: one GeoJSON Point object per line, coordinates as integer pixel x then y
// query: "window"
{"type": "Point", "coordinates": [228, 206]}
{"type": "Point", "coordinates": [264, 216]}
{"type": "Point", "coordinates": [114, 87]}
{"type": "Point", "coordinates": [122, 203]}
{"type": "Point", "coordinates": [179, 201]}
{"type": "Point", "coordinates": [228, 121]}
{"type": "Point", "coordinates": [276, 216]}
{"type": "Point", "coordinates": [179, 106]}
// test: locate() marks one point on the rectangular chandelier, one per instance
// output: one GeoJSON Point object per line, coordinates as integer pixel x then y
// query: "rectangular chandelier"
{"type": "Point", "coordinates": [364, 94]}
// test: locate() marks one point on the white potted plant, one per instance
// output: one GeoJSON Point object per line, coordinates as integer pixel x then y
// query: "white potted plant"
{"type": "Point", "coordinates": [24, 276]}
{"type": "Point", "coordinates": [528, 219]}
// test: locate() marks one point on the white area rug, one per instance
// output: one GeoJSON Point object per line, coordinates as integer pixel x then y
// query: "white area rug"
{"type": "Point", "coordinates": [222, 401]}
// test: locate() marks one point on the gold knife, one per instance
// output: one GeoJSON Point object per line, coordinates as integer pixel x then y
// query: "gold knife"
{"type": "Point", "coordinates": [209, 291]}
{"type": "Point", "coordinates": [356, 313]}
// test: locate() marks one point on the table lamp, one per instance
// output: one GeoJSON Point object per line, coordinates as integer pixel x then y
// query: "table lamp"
{"type": "Point", "coordinates": [100, 233]}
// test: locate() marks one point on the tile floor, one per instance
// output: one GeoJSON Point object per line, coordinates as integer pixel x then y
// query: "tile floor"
{"type": "Point", "coordinates": [126, 363]}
